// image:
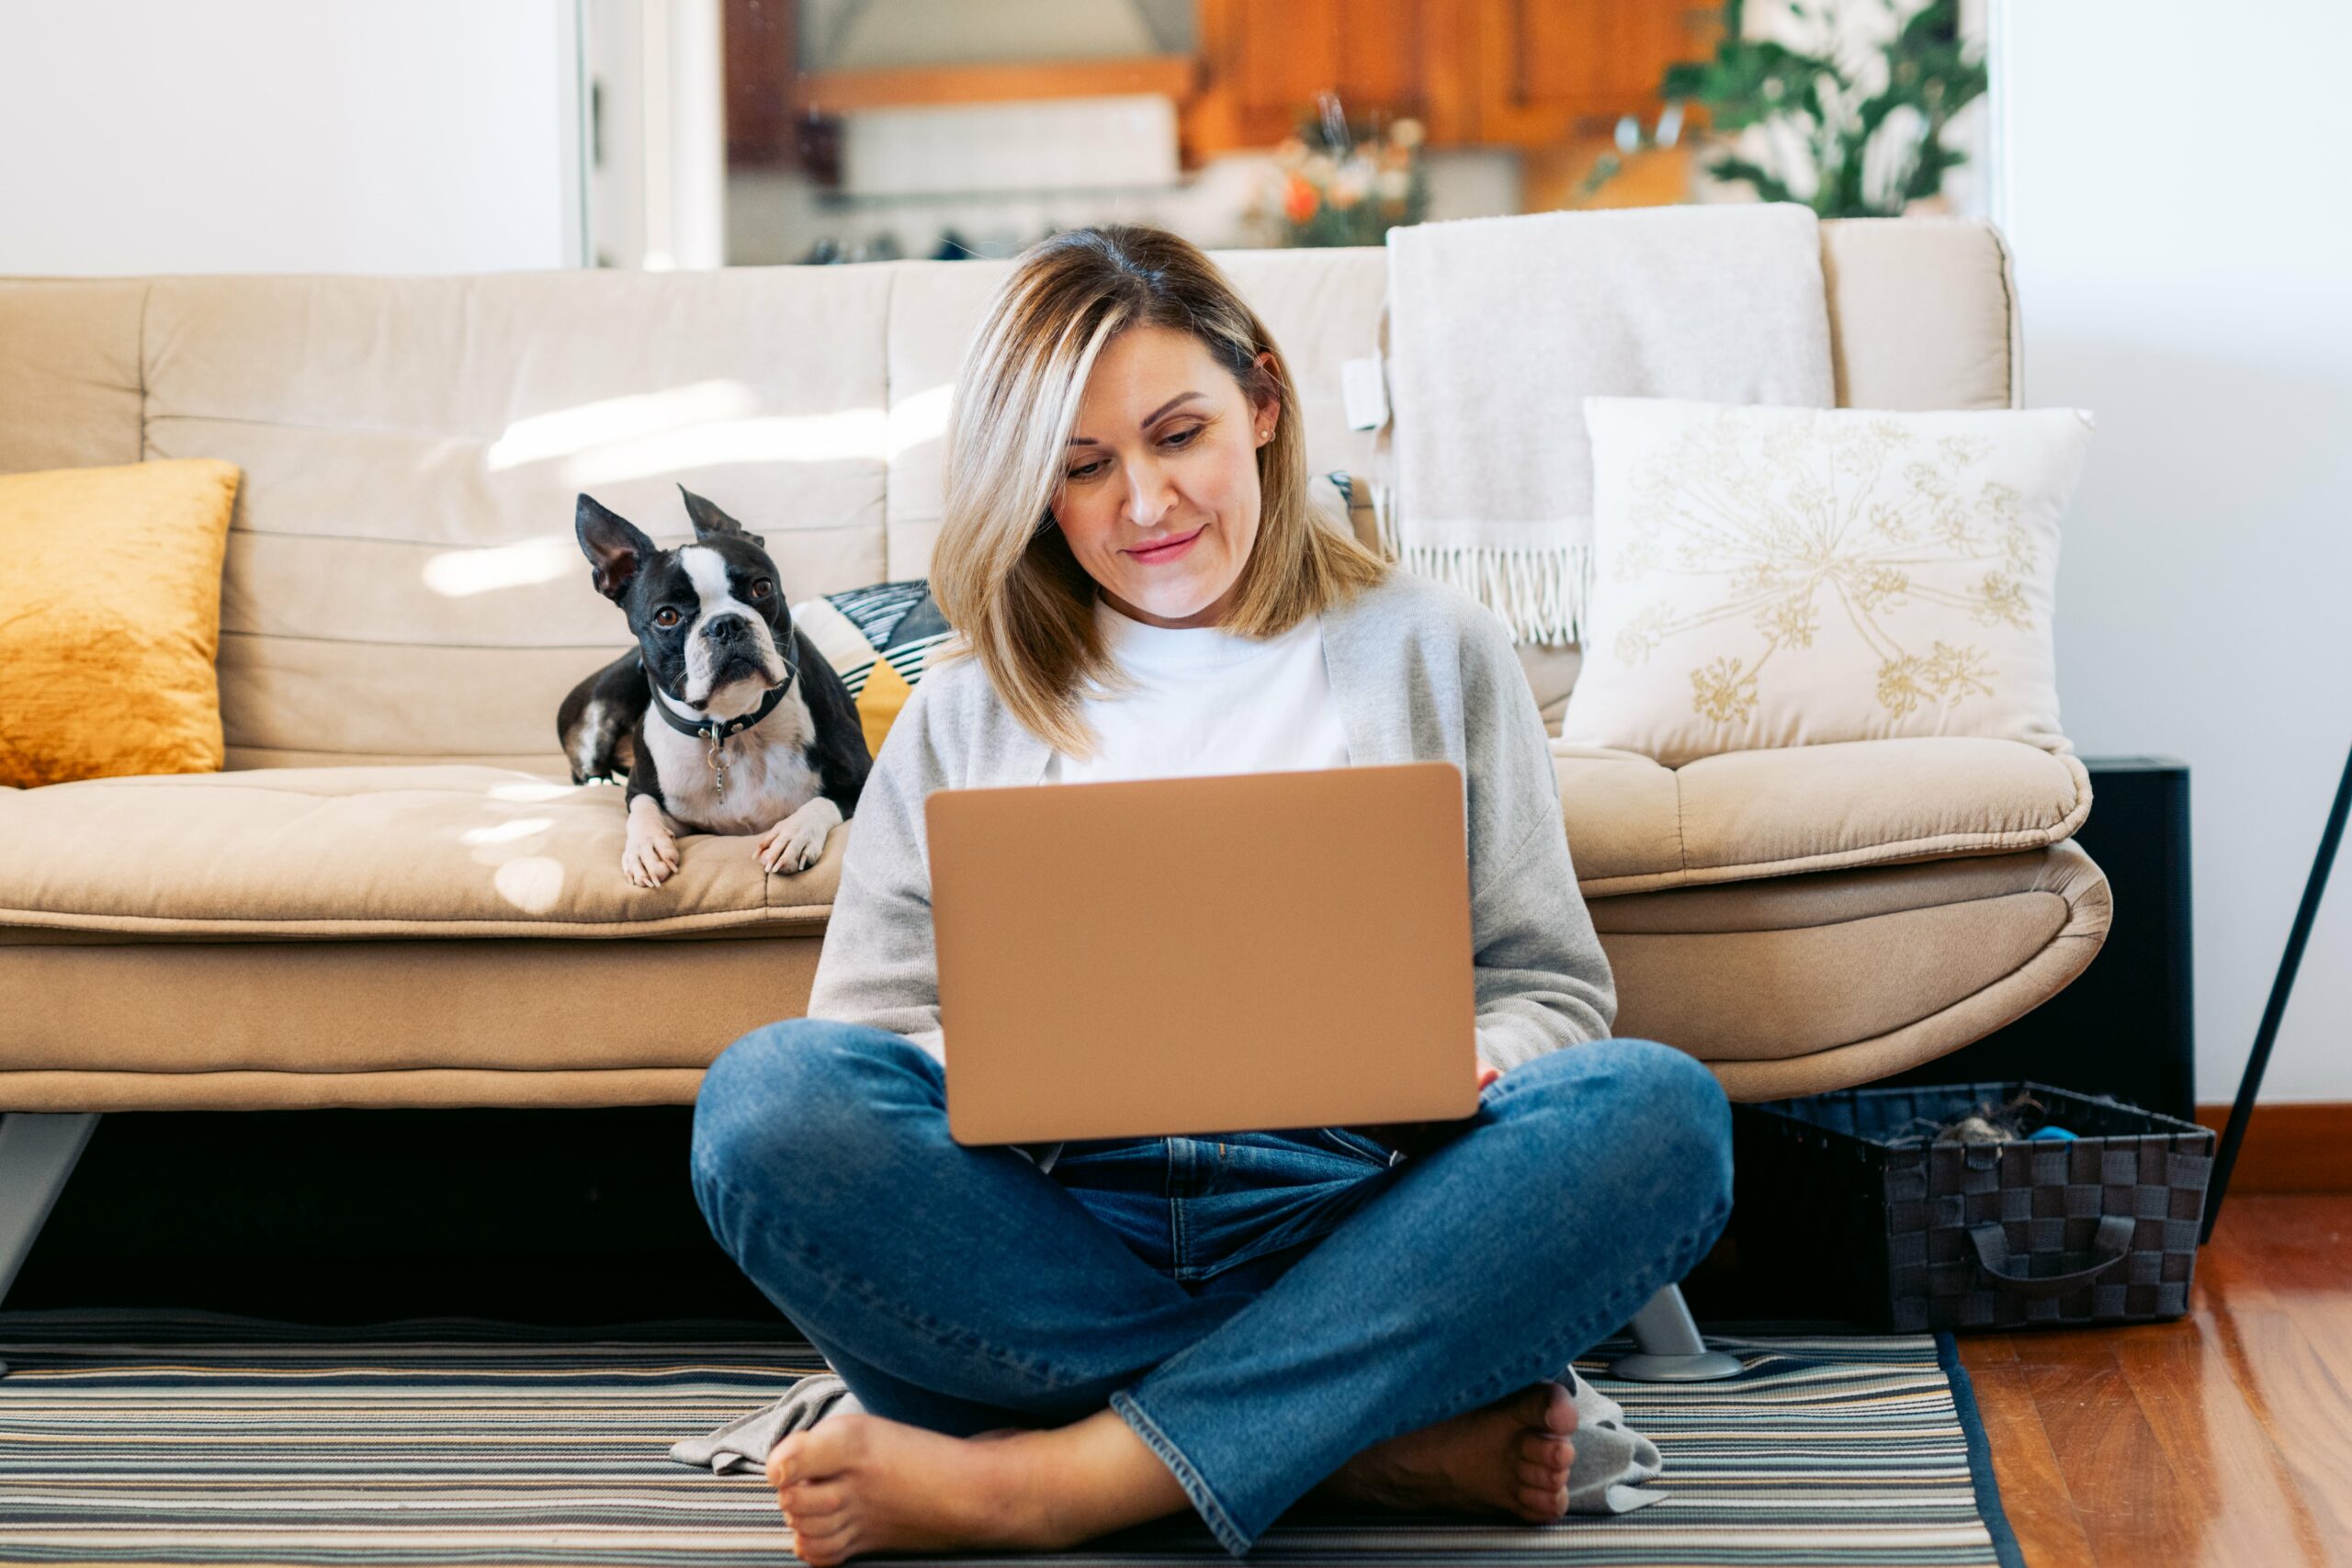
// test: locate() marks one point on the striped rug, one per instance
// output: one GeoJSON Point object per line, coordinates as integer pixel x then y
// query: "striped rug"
{"type": "Point", "coordinates": [197, 1438]}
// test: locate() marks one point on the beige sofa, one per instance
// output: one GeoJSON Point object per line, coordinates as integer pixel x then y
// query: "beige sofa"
{"type": "Point", "coordinates": [393, 898]}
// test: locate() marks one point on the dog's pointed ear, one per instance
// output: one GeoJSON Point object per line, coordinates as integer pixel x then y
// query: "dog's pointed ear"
{"type": "Point", "coordinates": [612, 545]}
{"type": "Point", "coordinates": [709, 520]}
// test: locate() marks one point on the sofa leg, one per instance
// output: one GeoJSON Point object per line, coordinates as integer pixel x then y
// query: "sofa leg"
{"type": "Point", "coordinates": [1671, 1350]}
{"type": "Point", "coordinates": [37, 1152]}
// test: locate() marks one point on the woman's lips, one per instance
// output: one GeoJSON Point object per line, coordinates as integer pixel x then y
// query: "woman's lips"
{"type": "Point", "coordinates": [1169, 551]}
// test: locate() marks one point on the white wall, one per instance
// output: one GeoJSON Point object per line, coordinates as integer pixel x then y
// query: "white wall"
{"type": "Point", "coordinates": [2172, 178]}
{"type": "Point", "coordinates": [388, 136]}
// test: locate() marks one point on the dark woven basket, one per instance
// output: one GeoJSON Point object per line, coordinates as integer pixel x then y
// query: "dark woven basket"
{"type": "Point", "coordinates": [2099, 1229]}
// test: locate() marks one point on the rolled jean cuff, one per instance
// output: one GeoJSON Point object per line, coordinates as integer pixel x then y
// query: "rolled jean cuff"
{"type": "Point", "coordinates": [1204, 1501]}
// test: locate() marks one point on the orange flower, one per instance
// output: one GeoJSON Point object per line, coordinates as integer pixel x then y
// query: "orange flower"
{"type": "Point", "coordinates": [1299, 199]}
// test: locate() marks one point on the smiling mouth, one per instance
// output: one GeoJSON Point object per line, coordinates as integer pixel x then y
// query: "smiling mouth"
{"type": "Point", "coordinates": [1166, 546]}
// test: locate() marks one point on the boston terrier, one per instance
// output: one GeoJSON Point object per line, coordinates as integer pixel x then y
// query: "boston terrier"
{"type": "Point", "coordinates": [724, 717]}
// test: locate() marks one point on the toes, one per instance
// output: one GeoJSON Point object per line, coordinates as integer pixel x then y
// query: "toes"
{"type": "Point", "coordinates": [1546, 1448]}
{"type": "Point", "coordinates": [801, 1459]}
{"type": "Point", "coordinates": [1549, 1406]}
{"type": "Point", "coordinates": [820, 1547]}
{"type": "Point", "coordinates": [1540, 1503]}
{"type": "Point", "coordinates": [814, 1503]}
{"type": "Point", "coordinates": [1547, 1469]}
{"type": "Point", "coordinates": [829, 1447]}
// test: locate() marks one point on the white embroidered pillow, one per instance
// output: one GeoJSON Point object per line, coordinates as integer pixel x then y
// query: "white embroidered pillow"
{"type": "Point", "coordinates": [1768, 576]}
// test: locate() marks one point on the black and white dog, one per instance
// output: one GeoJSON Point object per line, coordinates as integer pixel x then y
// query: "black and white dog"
{"type": "Point", "coordinates": [724, 717]}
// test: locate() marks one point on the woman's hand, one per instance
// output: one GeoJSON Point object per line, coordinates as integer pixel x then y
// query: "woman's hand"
{"type": "Point", "coordinates": [1417, 1138]}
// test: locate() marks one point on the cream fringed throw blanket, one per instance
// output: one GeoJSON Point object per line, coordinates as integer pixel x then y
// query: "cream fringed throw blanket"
{"type": "Point", "coordinates": [1499, 328]}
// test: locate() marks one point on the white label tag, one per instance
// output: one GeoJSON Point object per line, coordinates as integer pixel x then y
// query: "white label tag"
{"type": "Point", "coordinates": [1363, 393]}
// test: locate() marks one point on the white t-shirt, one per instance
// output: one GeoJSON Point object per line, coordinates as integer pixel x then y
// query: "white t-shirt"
{"type": "Point", "coordinates": [1210, 702]}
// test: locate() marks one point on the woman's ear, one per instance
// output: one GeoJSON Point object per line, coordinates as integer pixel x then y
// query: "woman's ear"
{"type": "Point", "coordinates": [1267, 414]}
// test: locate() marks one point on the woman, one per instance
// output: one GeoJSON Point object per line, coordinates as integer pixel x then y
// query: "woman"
{"type": "Point", "coordinates": [1054, 1341]}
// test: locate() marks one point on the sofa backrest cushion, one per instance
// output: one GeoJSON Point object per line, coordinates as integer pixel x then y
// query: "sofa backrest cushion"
{"type": "Point", "coordinates": [402, 582]}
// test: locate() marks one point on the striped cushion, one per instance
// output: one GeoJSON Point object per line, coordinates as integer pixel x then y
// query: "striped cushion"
{"type": "Point", "coordinates": [878, 641]}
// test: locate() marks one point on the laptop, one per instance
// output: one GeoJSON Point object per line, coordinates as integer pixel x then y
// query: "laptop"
{"type": "Point", "coordinates": [1231, 952]}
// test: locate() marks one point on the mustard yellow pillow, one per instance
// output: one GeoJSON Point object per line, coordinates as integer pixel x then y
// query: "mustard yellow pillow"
{"type": "Point", "coordinates": [110, 618]}
{"type": "Point", "coordinates": [879, 641]}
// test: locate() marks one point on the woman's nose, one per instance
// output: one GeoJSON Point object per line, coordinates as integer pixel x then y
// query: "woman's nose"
{"type": "Point", "coordinates": [1148, 493]}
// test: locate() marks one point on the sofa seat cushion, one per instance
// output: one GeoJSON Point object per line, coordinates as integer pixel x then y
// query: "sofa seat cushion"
{"type": "Point", "coordinates": [450, 851]}
{"type": "Point", "coordinates": [1637, 827]}
{"type": "Point", "coordinates": [1784, 986]}
{"type": "Point", "coordinates": [457, 850]}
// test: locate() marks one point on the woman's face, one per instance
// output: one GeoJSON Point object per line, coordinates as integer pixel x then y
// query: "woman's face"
{"type": "Point", "coordinates": [1165, 453]}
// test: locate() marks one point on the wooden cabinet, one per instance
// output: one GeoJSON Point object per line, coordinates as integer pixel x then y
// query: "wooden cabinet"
{"type": "Point", "coordinates": [1548, 70]}
{"type": "Point", "coordinates": [1262, 65]}
{"type": "Point", "coordinates": [1527, 74]}
{"type": "Point", "coordinates": [1550, 77]}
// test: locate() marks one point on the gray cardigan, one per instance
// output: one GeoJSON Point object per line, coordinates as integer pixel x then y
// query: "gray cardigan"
{"type": "Point", "coordinates": [1420, 670]}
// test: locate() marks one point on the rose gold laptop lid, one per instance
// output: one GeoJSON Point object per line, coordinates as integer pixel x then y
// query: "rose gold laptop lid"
{"type": "Point", "coordinates": [1193, 955]}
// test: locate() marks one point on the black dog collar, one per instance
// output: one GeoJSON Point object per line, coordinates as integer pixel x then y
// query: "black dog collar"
{"type": "Point", "coordinates": [715, 730]}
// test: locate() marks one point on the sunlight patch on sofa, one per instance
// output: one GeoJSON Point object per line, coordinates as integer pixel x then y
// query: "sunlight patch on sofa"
{"type": "Point", "coordinates": [458, 574]}
{"type": "Point", "coordinates": [531, 883]}
{"type": "Point", "coordinates": [507, 832]}
{"type": "Point", "coordinates": [679, 429]}
{"type": "Point", "coordinates": [530, 791]}
{"type": "Point", "coordinates": [565, 432]}
{"type": "Point", "coordinates": [776, 438]}
{"type": "Point", "coordinates": [921, 418]}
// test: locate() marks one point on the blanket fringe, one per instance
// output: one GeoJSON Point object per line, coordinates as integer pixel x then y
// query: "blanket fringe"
{"type": "Point", "coordinates": [1541, 594]}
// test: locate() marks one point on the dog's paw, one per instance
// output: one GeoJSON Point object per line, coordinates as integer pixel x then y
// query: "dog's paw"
{"type": "Point", "coordinates": [794, 844]}
{"type": "Point", "coordinates": [649, 859]}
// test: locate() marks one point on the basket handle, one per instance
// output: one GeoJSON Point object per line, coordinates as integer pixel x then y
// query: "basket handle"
{"type": "Point", "coordinates": [2111, 1246]}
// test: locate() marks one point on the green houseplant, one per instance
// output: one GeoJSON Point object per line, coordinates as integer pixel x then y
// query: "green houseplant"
{"type": "Point", "coordinates": [1845, 141]}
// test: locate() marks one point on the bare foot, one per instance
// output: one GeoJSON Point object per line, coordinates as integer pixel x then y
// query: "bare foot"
{"type": "Point", "coordinates": [1510, 1457]}
{"type": "Point", "coordinates": [857, 1482]}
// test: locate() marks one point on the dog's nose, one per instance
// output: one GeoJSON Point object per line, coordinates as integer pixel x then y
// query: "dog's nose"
{"type": "Point", "coordinates": [726, 628]}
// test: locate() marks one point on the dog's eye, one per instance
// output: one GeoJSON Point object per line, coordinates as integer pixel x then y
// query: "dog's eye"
{"type": "Point", "coordinates": [665, 617]}
{"type": "Point", "coordinates": [762, 587]}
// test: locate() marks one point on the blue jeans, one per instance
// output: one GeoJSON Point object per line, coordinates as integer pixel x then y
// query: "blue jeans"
{"type": "Point", "coordinates": [1259, 1307]}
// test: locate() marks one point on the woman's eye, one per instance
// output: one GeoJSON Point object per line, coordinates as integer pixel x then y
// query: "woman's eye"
{"type": "Point", "coordinates": [762, 587]}
{"type": "Point", "coordinates": [1179, 440]}
{"type": "Point", "coordinates": [665, 616]}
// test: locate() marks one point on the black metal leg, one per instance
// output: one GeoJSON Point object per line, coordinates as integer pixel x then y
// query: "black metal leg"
{"type": "Point", "coordinates": [2315, 888]}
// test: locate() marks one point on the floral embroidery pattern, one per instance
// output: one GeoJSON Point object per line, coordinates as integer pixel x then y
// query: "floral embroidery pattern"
{"type": "Point", "coordinates": [1798, 520]}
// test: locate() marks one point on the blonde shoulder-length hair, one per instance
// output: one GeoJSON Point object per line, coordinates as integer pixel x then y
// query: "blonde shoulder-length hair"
{"type": "Point", "coordinates": [1009, 583]}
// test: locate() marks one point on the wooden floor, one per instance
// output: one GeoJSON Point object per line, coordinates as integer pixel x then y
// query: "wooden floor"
{"type": "Point", "coordinates": [2225, 1438]}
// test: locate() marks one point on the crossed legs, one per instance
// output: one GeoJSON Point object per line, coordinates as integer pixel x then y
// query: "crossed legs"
{"type": "Point", "coordinates": [962, 1290]}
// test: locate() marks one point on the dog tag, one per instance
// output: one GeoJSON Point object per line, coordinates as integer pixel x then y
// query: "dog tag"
{"type": "Point", "coordinates": [1363, 393]}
